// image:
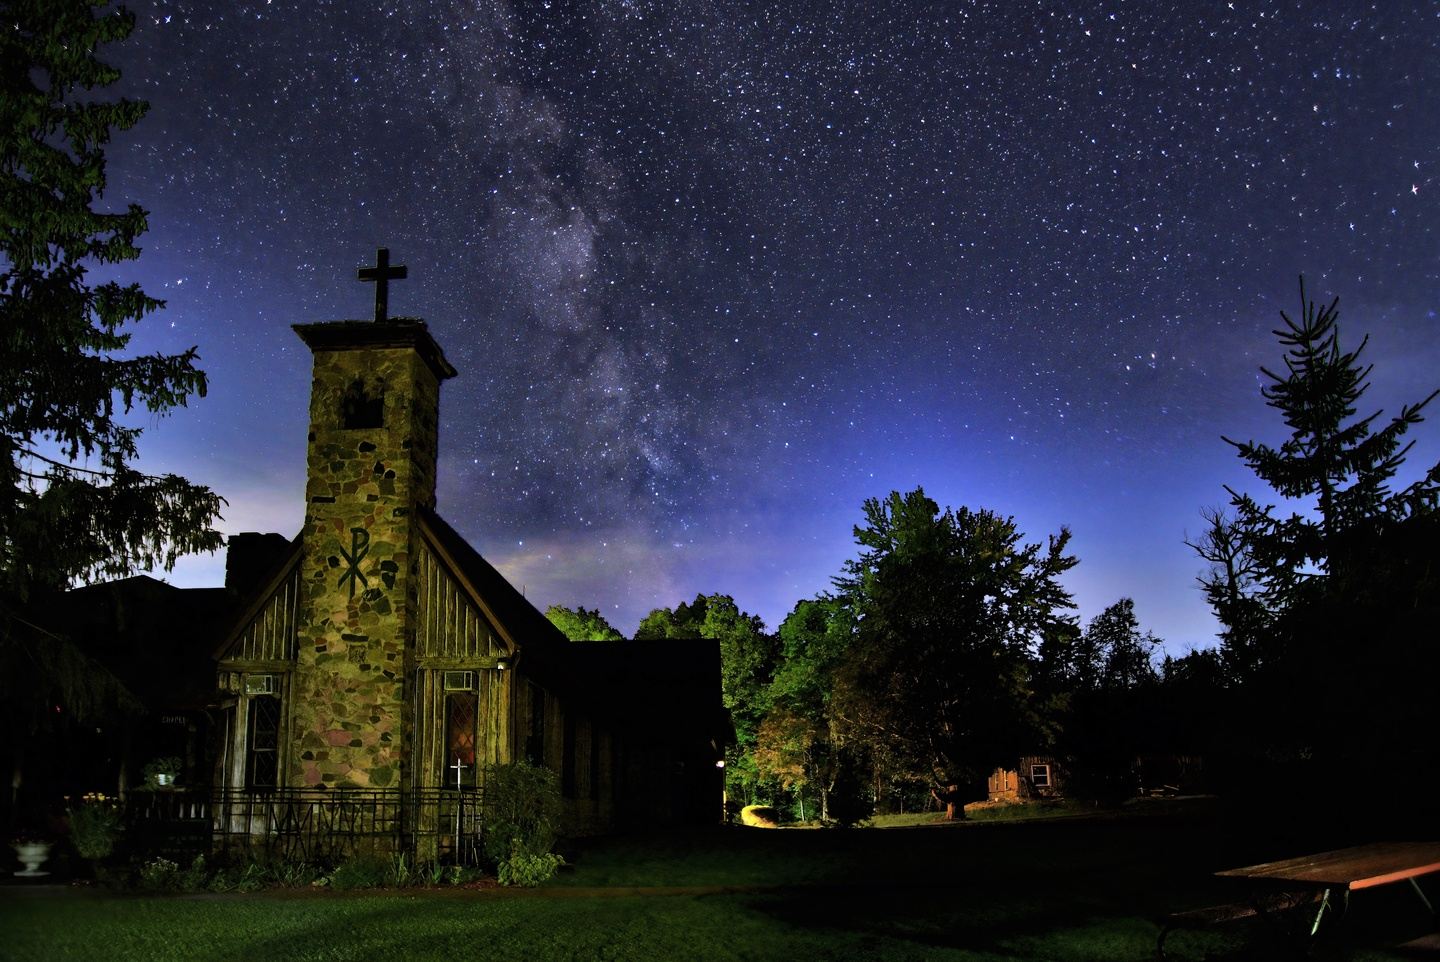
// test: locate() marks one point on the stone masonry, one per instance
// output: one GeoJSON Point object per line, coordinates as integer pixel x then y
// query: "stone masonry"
{"type": "Point", "coordinates": [371, 459]}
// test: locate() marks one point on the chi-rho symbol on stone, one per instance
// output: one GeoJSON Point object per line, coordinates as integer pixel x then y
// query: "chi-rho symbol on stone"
{"type": "Point", "coordinates": [359, 548]}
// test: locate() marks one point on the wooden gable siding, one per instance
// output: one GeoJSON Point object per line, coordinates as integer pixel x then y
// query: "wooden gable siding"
{"type": "Point", "coordinates": [450, 630]}
{"type": "Point", "coordinates": [266, 638]}
{"type": "Point", "coordinates": [453, 633]}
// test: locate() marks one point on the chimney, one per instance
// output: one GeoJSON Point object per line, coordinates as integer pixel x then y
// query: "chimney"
{"type": "Point", "coordinates": [249, 557]}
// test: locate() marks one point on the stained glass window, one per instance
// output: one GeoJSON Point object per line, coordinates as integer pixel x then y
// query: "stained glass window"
{"type": "Point", "coordinates": [460, 736]}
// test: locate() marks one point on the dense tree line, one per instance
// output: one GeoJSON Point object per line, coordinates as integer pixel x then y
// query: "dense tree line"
{"type": "Point", "coordinates": [949, 647]}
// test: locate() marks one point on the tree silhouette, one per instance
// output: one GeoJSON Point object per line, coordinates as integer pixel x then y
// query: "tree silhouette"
{"type": "Point", "coordinates": [65, 382]}
{"type": "Point", "coordinates": [1336, 465]}
{"type": "Point", "coordinates": [1330, 602]}
{"type": "Point", "coordinates": [72, 506]}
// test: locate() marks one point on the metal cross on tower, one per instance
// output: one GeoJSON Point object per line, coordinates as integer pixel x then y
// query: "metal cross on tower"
{"type": "Point", "coordinates": [382, 274]}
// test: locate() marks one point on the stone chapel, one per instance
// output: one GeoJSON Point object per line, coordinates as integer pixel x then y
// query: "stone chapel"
{"type": "Point", "coordinates": [384, 663]}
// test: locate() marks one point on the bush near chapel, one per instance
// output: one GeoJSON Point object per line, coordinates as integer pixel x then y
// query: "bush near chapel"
{"type": "Point", "coordinates": [520, 816]}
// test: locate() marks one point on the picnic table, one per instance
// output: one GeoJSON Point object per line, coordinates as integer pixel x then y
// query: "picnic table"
{"type": "Point", "coordinates": [1324, 880]}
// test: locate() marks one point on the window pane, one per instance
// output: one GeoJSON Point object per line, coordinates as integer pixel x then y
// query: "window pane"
{"type": "Point", "coordinates": [460, 736]}
{"type": "Point", "coordinates": [262, 751]}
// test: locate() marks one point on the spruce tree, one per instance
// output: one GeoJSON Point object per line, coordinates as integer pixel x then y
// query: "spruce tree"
{"type": "Point", "coordinates": [72, 505]}
{"type": "Point", "coordinates": [1330, 603]}
{"type": "Point", "coordinates": [1335, 468]}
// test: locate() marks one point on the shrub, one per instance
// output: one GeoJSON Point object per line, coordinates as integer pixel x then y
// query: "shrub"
{"type": "Point", "coordinates": [194, 878]}
{"type": "Point", "coordinates": [222, 881]}
{"type": "Point", "coordinates": [159, 772]}
{"type": "Point", "coordinates": [521, 810]}
{"type": "Point", "coordinates": [293, 874]}
{"type": "Point", "coordinates": [850, 799]}
{"type": "Point", "coordinates": [253, 878]}
{"type": "Point", "coordinates": [460, 874]}
{"type": "Point", "coordinates": [160, 875]}
{"type": "Point", "coordinates": [361, 872]}
{"type": "Point", "coordinates": [400, 873]}
{"type": "Point", "coordinates": [94, 829]}
{"type": "Point", "coordinates": [527, 871]}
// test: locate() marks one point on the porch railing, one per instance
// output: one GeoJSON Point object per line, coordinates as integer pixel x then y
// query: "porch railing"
{"type": "Point", "coordinates": [313, 825]}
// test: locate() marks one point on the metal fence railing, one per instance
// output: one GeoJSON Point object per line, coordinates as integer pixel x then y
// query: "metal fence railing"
{"type": "Point", "coordinates": [312, 825]}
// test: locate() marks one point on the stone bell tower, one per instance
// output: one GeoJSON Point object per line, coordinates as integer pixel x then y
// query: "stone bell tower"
{"type": "Point", "coordinates": [374, 408]}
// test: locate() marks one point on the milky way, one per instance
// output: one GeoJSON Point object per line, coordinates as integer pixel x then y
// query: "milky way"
{"type": "Point", "coordinates": [715, 273]}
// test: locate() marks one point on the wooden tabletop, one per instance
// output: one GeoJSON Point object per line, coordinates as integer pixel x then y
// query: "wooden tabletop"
{"type": "Point", "coordinates": [1360, 867]}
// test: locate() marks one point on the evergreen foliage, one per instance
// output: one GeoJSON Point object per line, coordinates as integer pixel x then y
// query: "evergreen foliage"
{"type": "Point", "coordinates": [1330, 602]}
{"type": "Point", "coordinates": [66, 382]}
{"type": "Point", "coordinates": [1334, 471]}
{"type": "Point", "coordinates": [72, 506]}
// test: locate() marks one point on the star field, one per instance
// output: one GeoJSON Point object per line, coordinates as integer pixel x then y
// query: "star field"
{"type": "Point", "coordinates": [713, 273]}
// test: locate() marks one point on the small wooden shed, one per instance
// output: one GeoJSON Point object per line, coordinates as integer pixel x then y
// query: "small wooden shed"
{"type": "Point", "coordinates": [1033, 777]}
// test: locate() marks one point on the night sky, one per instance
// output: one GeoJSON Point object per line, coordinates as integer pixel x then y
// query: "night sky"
{"type": "Point", "coordinates": [714, 273]}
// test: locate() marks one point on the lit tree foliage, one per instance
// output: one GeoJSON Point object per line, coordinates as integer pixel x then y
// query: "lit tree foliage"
{"type": "Point", "coordinates": [582, 624]}
{"type": "Point", "coordinates": [801, 740]}
{"type": "Point", "coordinates": [951, 608]}
{"type": "Point", "coordinates": [747, 663]}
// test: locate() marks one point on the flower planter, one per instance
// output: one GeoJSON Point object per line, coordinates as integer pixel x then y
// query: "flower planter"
{"type": "Point", "coordinates": [32, 855]}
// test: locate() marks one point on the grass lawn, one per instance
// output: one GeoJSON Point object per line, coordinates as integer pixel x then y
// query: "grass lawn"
{"type": "Point", "coordinates": [1066, 890]}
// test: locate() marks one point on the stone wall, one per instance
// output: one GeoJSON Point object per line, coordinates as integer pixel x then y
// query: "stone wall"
{"type": "Point", "coordinates": [349, 711]}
